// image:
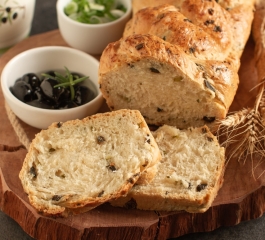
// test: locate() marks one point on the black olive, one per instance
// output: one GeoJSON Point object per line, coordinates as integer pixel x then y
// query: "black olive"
{"type": "Point", "coordinates": [39, 104]}
{"type": "Point", "coordinates": [139, 46]}
{"type": "Point", "coordinates": [65, 97]}
{"type": "Point", "coordinates": [33, 171]}
{"type": "Point", "coordinates": [14, 15]}
{"type": "Point", "coordinates": [131, 204]}
{"type": "Point", "coordinates": [8, 9]}
{"type": "Point", "coordinates": [56, 197]}
{"type": "Point", "coordinates": [47, 87]}
{"type": "Point", "coordinates": [154, 70]}
{"type": "Point", "coordinates": [201, 187]}
{"type": "Point", "coordinates": [112, 168]}
{"type": "Point", "coordinates": [100, 139]}
{"type": "Point", "coordinates": [41, 93]}
{"type": "Point", "coordinates": [4, 20]}
{"type": "Point", "coordinates": [83, 95]}
{"type": "Point", "coordinates": [22, 91]}
{"type": "Point", "coordinates": [31, 79]}
{"type": "Point", "coordinates": [101, 193]}
{"type": "Point", "coordinates": [38, 95]}
{"type": "Point", "coordinates": [208, 119]}
{"type": "Point", "coordinates": [209, 139]}
{"type": "Point", "coordinates": [67, 104]}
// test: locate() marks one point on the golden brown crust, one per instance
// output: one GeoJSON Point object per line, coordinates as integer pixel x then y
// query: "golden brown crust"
{"type": "Point", "coordinates": [231, 18]}
{"type": "Point", "coordinates": [193, 28]}
{"type": "Point", "coordinates": [258, 34]}
{"type": "Point", "coordinates": [140, 4]}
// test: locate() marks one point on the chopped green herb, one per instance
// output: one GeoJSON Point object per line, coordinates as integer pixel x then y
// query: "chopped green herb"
{"type": "Point", "coordinates": [69, 80]}
{"type": "Point", "coordinates": [178, 79]}
{"type": "Point", "coordinates": [124, 98]}
{"type": "Point", "coordinates": [94, 11]}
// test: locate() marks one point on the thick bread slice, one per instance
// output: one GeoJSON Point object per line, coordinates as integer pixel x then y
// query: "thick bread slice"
{"type": "Point", "coordinates": [189, 174]}
{"type": "Point", "coordinates": [165, 84]}
{"type": "Point", "coordinates": [75, 166]}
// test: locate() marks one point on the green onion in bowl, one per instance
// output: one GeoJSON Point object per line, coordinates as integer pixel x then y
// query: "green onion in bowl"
{"type": "Point", "coordinates": [94, 11]}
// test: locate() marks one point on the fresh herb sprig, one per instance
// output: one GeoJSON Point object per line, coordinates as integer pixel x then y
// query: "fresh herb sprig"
{"type": "Point", "coordinates": [94, 11]}
{"type": "Point", "coordinates": [68, 80]}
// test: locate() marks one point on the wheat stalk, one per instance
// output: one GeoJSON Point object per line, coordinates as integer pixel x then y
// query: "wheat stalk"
{"type": "Point", "coordinates": [243, 132]}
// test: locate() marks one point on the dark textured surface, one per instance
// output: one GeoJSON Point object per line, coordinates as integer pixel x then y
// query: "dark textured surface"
{"type": "Point", "coordinates": [45, 20]}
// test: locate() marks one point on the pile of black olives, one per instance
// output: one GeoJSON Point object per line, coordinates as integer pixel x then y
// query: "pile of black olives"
{"type": "Point", "coordinates": [40, 92]}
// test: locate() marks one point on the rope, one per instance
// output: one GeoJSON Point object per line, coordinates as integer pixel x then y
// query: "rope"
{"type": "Point", "coordinates": [22, 136]}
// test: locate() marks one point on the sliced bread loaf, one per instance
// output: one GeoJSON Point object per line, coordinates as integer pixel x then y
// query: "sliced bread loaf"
{"type": "Point", "coordinates": [189, 174]}
{"type": "Point", "coordinates": [75, 166]}
{"type": "Point", "coordinates": [165, 84]}
{"type": "Point", "coordinates": [177, 62]}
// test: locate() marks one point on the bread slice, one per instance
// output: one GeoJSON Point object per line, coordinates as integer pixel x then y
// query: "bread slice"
{"type": "Point", "coordinates": [165, 84]}
{"type": "Point", "coordinates": [189, 174]}
{"type": "Point", "coordinates": [75, 166]}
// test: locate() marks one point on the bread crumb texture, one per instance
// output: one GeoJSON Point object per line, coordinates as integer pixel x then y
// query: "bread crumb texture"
{"type": "Point", "coordinates": [83, 163]}
{"type": "Point", "coordinates": [189, 174]}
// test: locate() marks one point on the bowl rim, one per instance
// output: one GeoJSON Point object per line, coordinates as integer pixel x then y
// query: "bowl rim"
{"type": "Point", "coordinates": [60, 7]}
{"type": "Point", "coordinates": [8, 94]}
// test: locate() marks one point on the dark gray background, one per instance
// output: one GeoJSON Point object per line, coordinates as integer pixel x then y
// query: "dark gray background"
{"type": "Point", "coordinates": [45, 20]}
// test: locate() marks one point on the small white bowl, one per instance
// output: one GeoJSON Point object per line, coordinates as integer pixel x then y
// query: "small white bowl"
{"type": "Point", "coordinates": [91, 38]}
{"type": "Point", "coordinates": [16, 19]}
{"type": "Point", "coordinates": [43, 59]}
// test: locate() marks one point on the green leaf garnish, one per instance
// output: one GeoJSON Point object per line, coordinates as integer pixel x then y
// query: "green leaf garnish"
{"type": "Point", "coordinates": [66, 81]}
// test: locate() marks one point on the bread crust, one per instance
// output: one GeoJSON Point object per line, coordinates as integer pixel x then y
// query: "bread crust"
{"type": "Point", "coordinates": [192, 28]}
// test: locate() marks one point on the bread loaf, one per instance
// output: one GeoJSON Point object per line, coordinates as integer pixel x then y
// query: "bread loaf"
{"type": "Point", "coordinates": [75, 166]}
{"type": "Point", "coordinates": [177, 64]}
{"type": "Point", "coordinates": [189, 174]}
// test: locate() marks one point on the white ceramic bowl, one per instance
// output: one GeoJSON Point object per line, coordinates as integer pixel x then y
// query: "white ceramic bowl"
{"type": "Point", "coordinates": [16, 19]}
{"type": "Point", "coordinates": [91, 38]}
{"type": "Point", "coordinates": [40, 60]}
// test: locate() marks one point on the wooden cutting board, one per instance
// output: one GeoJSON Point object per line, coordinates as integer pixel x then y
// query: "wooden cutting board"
{"type": "Point", "coordinates": [241, 198]}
